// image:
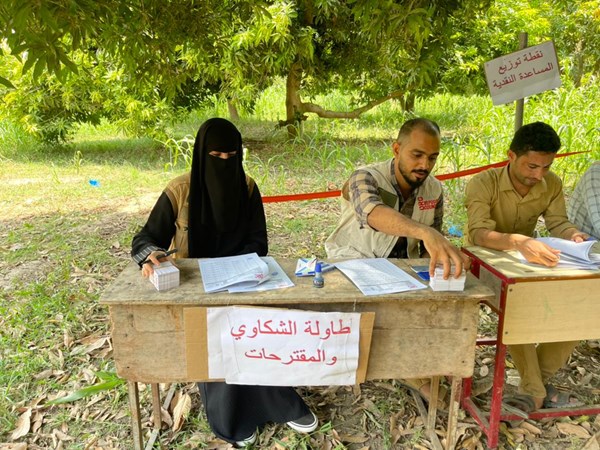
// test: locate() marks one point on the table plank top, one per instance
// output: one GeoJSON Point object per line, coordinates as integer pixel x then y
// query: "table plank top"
{"type": "Point", "coordinates": [131, 288]}
{"type": "Point", "coordinates": [511, 267]}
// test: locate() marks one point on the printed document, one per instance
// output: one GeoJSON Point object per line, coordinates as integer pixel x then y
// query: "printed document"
{"type": "Point", "coordinates": [574, 255]}
{"type": "Point", "coordinates": [376, 276]}
{"type": "Point", "coordinates": [277, 279]}
{"type": "Point", "coordinates": [218, 274]}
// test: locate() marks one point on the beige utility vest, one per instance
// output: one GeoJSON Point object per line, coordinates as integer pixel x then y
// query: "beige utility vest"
{"type": "Point", "coordinates": [178, 191]}
{"type": "Point", "coordinates": [349, 240]}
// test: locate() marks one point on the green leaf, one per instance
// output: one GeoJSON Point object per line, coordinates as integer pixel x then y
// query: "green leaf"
{"type": "Point", "coordinates": [63, 58]}
{"type": "Point", "coordinates": [107, 376]}
{"type": "Point", "coordinates": [86, 392]}
{"type": "Point", "coordinates": [29, 62]}
{"type": "Point", "coordinates": [39, 67]}
{"type": "Point", "coordinates": [6, 83]}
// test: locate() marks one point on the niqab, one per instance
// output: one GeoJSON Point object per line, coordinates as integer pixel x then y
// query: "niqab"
{"type": "Point", "coordinates": [218, 197]}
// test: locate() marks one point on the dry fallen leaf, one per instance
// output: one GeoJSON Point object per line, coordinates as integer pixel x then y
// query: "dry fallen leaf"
{"type": "Point", "coordinates": [326, 445]}
{"type": "Point", "coordinates": [570, 429]}
{"type": "Point", "coordinates": [181, 411]}
{"type": "Point", "coordinates": [470, 443]}
{"type": "Point", "coordinates": [593, 443]}
{"type": "Point", "coordinates": [353, 439]}
{"type": "Point", "coordinates": [484, 371]}
{"type": "Point", "coordinates": [67, 339]}
{"type": "Point", "coordinates": [61, 436]}
{"type": "Point", "coordinates": [38, 421]}
{"type": "Point", "coordinates": [530, 427]}
{"type": "Point", "coordinates": [23, 425]}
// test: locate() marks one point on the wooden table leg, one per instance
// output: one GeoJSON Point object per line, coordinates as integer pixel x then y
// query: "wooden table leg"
{"type": "Point", "coordinates": [156, 406]}
{"type": "Point", "coordinates": [453, 407]}
{"type": "Point", "coordinates": [429, 415]}
{"type": "Point", "coordinates": [434, 393]}
{"type": "Point", "coordinates": [134, 408]}
{"type": "Point", "coordinates": [157, 412]}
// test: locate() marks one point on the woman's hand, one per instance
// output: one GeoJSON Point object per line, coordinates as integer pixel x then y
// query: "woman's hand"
{"type": "Point", "coordinates": [153, 259]}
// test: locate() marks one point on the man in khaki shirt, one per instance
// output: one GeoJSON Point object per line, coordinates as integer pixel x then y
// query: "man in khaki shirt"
{"type": "Point", "coordinates": [503, 208]}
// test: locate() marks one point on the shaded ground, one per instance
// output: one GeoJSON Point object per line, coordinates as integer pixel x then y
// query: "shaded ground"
{"type": "Point", "coordinates": [374, 415]}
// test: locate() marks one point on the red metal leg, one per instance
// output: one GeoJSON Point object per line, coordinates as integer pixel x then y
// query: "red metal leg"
{"type": "Point", "coordinates": [497, 389]}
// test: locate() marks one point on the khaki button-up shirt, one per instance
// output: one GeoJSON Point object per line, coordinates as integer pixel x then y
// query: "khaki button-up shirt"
{"type": "Point", "coordinates": [493, 204]}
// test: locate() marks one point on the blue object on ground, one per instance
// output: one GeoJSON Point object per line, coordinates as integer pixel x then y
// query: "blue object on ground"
{"type": "Point", "coordinates": [455, 231]}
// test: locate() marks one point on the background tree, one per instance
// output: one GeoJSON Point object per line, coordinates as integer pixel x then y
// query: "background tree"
{"type": "Point", "coordinates": [573, 26]}
{"type": "Point", "coordinates": [373, 50]}
{"type": "Point", "coordinates": [140, 62]}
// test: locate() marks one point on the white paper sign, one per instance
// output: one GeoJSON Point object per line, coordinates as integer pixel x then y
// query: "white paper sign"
{"type": "Point", "coordinates": [526, 72]}
{"type": "Point", "coordinates": [279, 347]}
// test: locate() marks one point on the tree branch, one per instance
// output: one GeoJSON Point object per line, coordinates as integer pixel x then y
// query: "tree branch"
{"type": "Point", "coordinates": [321, 112]}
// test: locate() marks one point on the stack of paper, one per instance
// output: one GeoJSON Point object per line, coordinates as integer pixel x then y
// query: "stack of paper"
{"type": "Point", "coordinates": [375, 276]}
{"type": "Point", "coordinates": [575, 255]}
{"type": "Point", "coordinates": [243, 273]}
{"type": "Point", "coordinates": [165, 276]}
{"type": "Point", "coordinates": [438, 283]}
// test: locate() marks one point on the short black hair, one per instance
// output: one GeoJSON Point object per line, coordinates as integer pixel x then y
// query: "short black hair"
{"type": "Point", "coordinates": [535, 137]}
{"type": "Point", "coordinates": [420, 123]}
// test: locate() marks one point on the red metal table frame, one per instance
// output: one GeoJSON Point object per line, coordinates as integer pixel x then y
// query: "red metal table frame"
{"type": "Point", "coordinates": [490, 422]}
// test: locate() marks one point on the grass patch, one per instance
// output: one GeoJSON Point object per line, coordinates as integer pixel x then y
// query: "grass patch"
{"type": "Point", "coordinates": [64, 239]}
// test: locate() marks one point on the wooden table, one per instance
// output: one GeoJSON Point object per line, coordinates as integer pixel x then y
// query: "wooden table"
{"type": "Point", "coordinates": [534, 304]}
{"type": "Point", "coordinates": [416, 334]}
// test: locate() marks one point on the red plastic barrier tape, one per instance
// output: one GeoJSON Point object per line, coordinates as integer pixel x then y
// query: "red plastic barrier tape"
{"type": "Point", "coordinates": [443, 177]}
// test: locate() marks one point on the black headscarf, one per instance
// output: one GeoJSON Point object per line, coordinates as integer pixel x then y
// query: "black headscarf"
{"type": "Point", "coordinates": [218, 199]}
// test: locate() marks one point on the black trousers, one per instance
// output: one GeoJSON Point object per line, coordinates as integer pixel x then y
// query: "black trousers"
{"type": "Point", "coordinates": [235, 411]}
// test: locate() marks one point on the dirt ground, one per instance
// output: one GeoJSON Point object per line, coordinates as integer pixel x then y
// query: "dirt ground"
{"type": "Point", "coordinates": [372, 416]}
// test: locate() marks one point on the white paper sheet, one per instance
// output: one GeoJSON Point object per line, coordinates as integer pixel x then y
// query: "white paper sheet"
{"type": "Point", "coordinates": [574, 255]}
{"type": "Point", "coordinates": [218, 274]}
{"type": "Point", "coordinates": [277, 279]}
{"type": "Point", "coordinates": [375, 276]}
{"type": "Point", "coordinates": [278, 347]}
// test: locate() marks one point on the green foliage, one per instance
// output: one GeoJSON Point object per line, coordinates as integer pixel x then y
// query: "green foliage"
{"type": "Point", "coordinates": [14, 140]}
{"type": "Point", "coordinates": [493, 32]}
{"type": "Point", "coordinates": [141, 64]}
{"type": "Point", "coordinates": [63, 241]}
{"type": "Point", "coordinates": [135, 62]}
{"type": "Point", "coordinates": [109, 381]}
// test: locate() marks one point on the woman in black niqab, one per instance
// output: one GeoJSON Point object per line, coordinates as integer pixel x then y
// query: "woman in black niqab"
{"type": "Point", "coordinates": [218, 207]}
{"type": "Point", "coordinates": [218, 200]}
{"type": "Point", "coordinates": [216, 210]}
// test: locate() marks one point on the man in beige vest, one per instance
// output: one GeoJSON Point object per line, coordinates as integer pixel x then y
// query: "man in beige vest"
{"type": "Point", "coordinates": [394, 209]}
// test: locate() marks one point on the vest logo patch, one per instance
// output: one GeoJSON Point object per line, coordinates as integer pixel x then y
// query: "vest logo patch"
{"type": "Point", "coordinates": [426, 204]}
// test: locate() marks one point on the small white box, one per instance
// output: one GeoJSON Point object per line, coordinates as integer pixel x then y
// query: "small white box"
{"type": "Point", "coordinates": [438, 283]}
{"type": "Point", "coordinates": [165, 276]}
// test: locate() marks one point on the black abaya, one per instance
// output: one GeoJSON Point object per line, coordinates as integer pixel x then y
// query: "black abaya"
{"type": "Point", "coordinates": [234, 412]}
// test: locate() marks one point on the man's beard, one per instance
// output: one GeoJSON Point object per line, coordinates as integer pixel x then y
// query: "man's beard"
{"type": "Point", "coordinates": [414, 183]}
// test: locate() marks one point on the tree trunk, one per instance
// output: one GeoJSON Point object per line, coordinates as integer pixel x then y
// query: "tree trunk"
{"type": "Point", "coordinates": [579, 63]}
{"type": "Point", "coordinates": [233, 112]}
{"type": "Point", "coordinates": [408, 102]}
{"type": "Point", "coordinates": [293, 104]}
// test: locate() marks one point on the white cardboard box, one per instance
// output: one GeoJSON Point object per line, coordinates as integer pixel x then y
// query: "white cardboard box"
{"type": "Point", "coordinates": [165, 276]}
{"type": "Point", "coordinates": [437, 282]}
